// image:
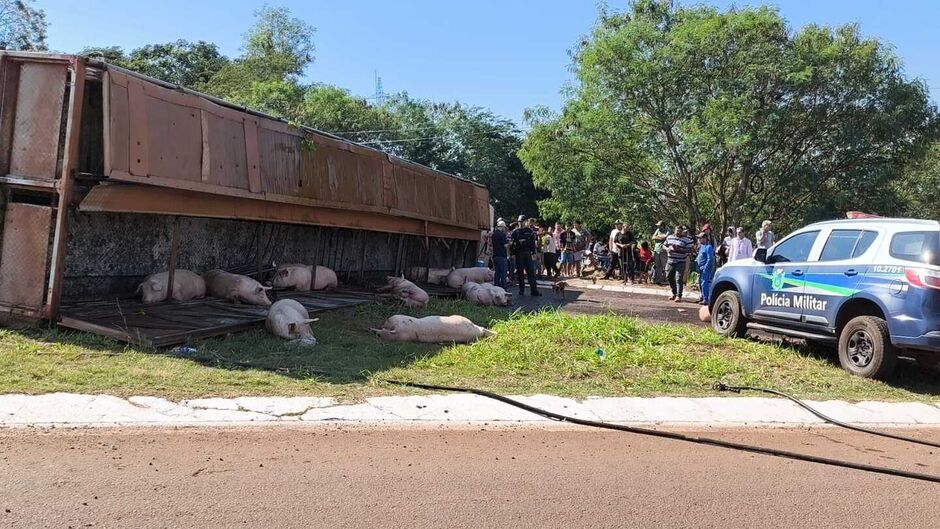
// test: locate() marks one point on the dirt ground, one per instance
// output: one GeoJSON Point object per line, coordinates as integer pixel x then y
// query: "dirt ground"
{"type": "Point", "coordinates": [472, 477]}
{"type": "Point", "coordinates": [590, 301]}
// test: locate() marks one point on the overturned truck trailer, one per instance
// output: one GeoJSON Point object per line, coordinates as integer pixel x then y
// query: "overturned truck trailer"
{"type": "Point", "coordinates": [108, 176]}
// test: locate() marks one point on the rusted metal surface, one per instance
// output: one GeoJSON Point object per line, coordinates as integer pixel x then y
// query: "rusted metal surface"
{"type": "Point", "coordinates": [24, 255]}
{"type": "Point", "coordinates": [165, 201]}
{"type": "Point", "coordinates": [66, 186]}
{"type": "Point", "coordinates": [9, 86]}
{"type": "Point", "coordinates": [178, 139]}
{"type": "Point", "coordinates": [34, 148]}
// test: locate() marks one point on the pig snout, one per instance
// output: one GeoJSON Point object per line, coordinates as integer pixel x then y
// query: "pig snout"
{"type": "Point", "coordinates": [152, 292]}
{"type": "Point", "coordinates": [259, 296]}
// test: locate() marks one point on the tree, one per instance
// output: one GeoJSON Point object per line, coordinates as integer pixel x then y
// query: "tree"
{"type": "Point", "coordinates": [267, 76]}
{"type": "Point", "coordinates": [691, 114]}
{"type": "Point", "coordinates": [22, 27]}
{"type": "Point", "coordinates": [335, 110]}
{"type": "Point", "coordinates": [184, 63]}
{"type": "Point", "coordinates": [920, 186]}
{"type": "Point", "coordinates": [465, 141]}
{"type": "Point", "coordinates": [110, 54]}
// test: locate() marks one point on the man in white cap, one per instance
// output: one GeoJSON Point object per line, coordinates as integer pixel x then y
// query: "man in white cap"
{"type": "Point", "coordinates": [500, 258]}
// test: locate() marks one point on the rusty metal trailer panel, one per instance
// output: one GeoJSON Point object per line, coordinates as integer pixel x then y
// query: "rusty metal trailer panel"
{"type": "Point", "coordinates": [103, 171]}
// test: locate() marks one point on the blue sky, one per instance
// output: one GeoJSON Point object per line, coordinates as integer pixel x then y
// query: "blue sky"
{"type": "Point", "coordinates": [502, 54]}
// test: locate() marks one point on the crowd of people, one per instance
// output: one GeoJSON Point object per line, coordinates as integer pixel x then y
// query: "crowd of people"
{"type": "Point", "coordinates": [526, 251]}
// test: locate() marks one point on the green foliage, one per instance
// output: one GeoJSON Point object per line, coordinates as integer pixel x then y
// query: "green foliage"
{"type": "Point", "coordinates": [22, 27]}
{"type": "Point", "coordinates": [267, 77]}
{"type": "Point", "coordinates": [920, 186]}
{"type": "Point", "coordinates": [333, 109]}
{"type": "Point", "coordinates": [188, 64]}
{"type": "Point", "coordinates": [184, 63]}
{"type": "Point", "coordinates": [693, 114]}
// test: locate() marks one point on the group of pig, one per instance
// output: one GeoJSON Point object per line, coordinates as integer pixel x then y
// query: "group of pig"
{"type": "Point", "coordinates": [476, 286]}
{"type": "Point", "coordinates": [287, 318]}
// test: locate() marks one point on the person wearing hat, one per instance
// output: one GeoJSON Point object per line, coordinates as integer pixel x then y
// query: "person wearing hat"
{"type": "Point", "coordinates": [705, 261]}
{"type": "Point", "coordinates": [660, 255]}
{"type": "Point", "coordinates": [524, 245]}
{"type": "Point", "coordinates": [500, 258]}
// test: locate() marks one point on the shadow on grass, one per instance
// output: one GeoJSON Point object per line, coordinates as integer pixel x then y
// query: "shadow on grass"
{"type": "Point", "coordinates": [347, 351]}
{"type": "Point", "coordinates": [909, 374]}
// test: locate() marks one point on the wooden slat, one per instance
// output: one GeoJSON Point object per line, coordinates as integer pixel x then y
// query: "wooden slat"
{"type": "Point", "coordinates": [175, 322]}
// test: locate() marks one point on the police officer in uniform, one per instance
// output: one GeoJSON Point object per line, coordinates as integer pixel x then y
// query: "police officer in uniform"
{"type": "Point", "coordinates": [524, 245]}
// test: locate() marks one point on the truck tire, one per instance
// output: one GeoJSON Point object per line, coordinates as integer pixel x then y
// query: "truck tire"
{"type": "Point", "coordinates": [865, 348]}
{"type": "Point", "coordinates": [727, 318]}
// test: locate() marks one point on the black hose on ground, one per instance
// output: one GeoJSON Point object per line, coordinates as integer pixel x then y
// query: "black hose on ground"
{"type": "Point", "coordinates": [677, 436]}
{"type": "Point", "coordinates": [737, 389]}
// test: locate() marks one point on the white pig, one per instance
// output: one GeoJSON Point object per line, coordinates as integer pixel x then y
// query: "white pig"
{"type": "Point", "coordinates": [431, 329]}
{"type": "Point", "coordinates": [484, 294]}
{"type": "Point", "coordinates": [458, 276]}
{"type": "Point", "coordinates": [401, 289]}
{"type": "Point", "coordinates": [186, 285]}
{"type": "Point", "coordinates": [290, 320]}
{"type": "Point", "coordinates": [301, 277]}
{"type": "Point", "coordinates": [237, 288]}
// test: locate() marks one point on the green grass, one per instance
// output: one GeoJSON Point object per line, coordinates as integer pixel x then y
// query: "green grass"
{"type": "Point", "coordinates": [546, 352]}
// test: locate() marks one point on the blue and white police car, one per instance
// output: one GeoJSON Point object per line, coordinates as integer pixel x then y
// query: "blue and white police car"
{"type": "Point", "coordinates": [869, 286]}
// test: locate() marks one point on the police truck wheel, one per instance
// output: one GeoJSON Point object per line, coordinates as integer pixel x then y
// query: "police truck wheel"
{"type": "Point", "coordinates": [865, 348]}
{"type": "Point", "coordinates": [727, 319]}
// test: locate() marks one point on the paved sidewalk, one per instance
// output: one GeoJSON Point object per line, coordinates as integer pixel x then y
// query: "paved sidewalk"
{"type": "Point", "coordinates": [65, 409]}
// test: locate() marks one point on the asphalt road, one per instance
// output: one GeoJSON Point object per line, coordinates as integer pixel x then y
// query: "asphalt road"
{"type": "Point", "coordinates": [474, 477]}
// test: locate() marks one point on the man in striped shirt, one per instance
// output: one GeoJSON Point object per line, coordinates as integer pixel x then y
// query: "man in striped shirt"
{"type": "Point", "coordinates": [679, 246]}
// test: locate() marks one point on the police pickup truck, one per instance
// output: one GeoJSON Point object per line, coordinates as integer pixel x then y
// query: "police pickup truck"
{"type": "Point", "coordinates": [871, 287]}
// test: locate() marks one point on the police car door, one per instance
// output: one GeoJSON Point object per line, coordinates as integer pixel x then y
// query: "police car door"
{"type": "Point", "coordinates": [779, 283]}
{"type": "Point", "coordinates": [833, 277]}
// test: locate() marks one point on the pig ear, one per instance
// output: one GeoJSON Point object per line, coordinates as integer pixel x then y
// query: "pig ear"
{"type": "Point", "coordinates": [157, 286]}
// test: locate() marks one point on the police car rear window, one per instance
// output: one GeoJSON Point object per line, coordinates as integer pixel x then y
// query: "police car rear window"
{"type": "Point", "coordinates": [916, 246]}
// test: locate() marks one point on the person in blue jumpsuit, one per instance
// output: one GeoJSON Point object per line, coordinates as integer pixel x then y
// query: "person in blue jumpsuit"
{"type": "Point", "coordinates": [705, 261]}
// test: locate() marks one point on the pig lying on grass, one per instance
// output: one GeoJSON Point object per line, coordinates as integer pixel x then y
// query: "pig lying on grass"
{"type": "Point", "coordinates": [237, 288]}
{"type": "Point", "coordinates": [302, 277]}
{"type": "Point", "coordinates": [458, 276]}
{"type": "Point", "coordinates": [186, 285]}
{"type": "Point", "coordinates": [406, 291]}
{"type": "Point", "coordinates": [289, 319]}
{"type": "Point", "coordinates": [484, 294]}
{"type": "Point", "coordinates": [431, 329]}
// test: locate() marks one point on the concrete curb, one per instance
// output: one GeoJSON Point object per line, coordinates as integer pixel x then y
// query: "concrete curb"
{"type": "Point", "coordinates": [73, 410]}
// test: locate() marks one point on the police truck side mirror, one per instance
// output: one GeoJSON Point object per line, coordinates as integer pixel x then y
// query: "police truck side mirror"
{"type": "Point", "coordinates": [761, 255]}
